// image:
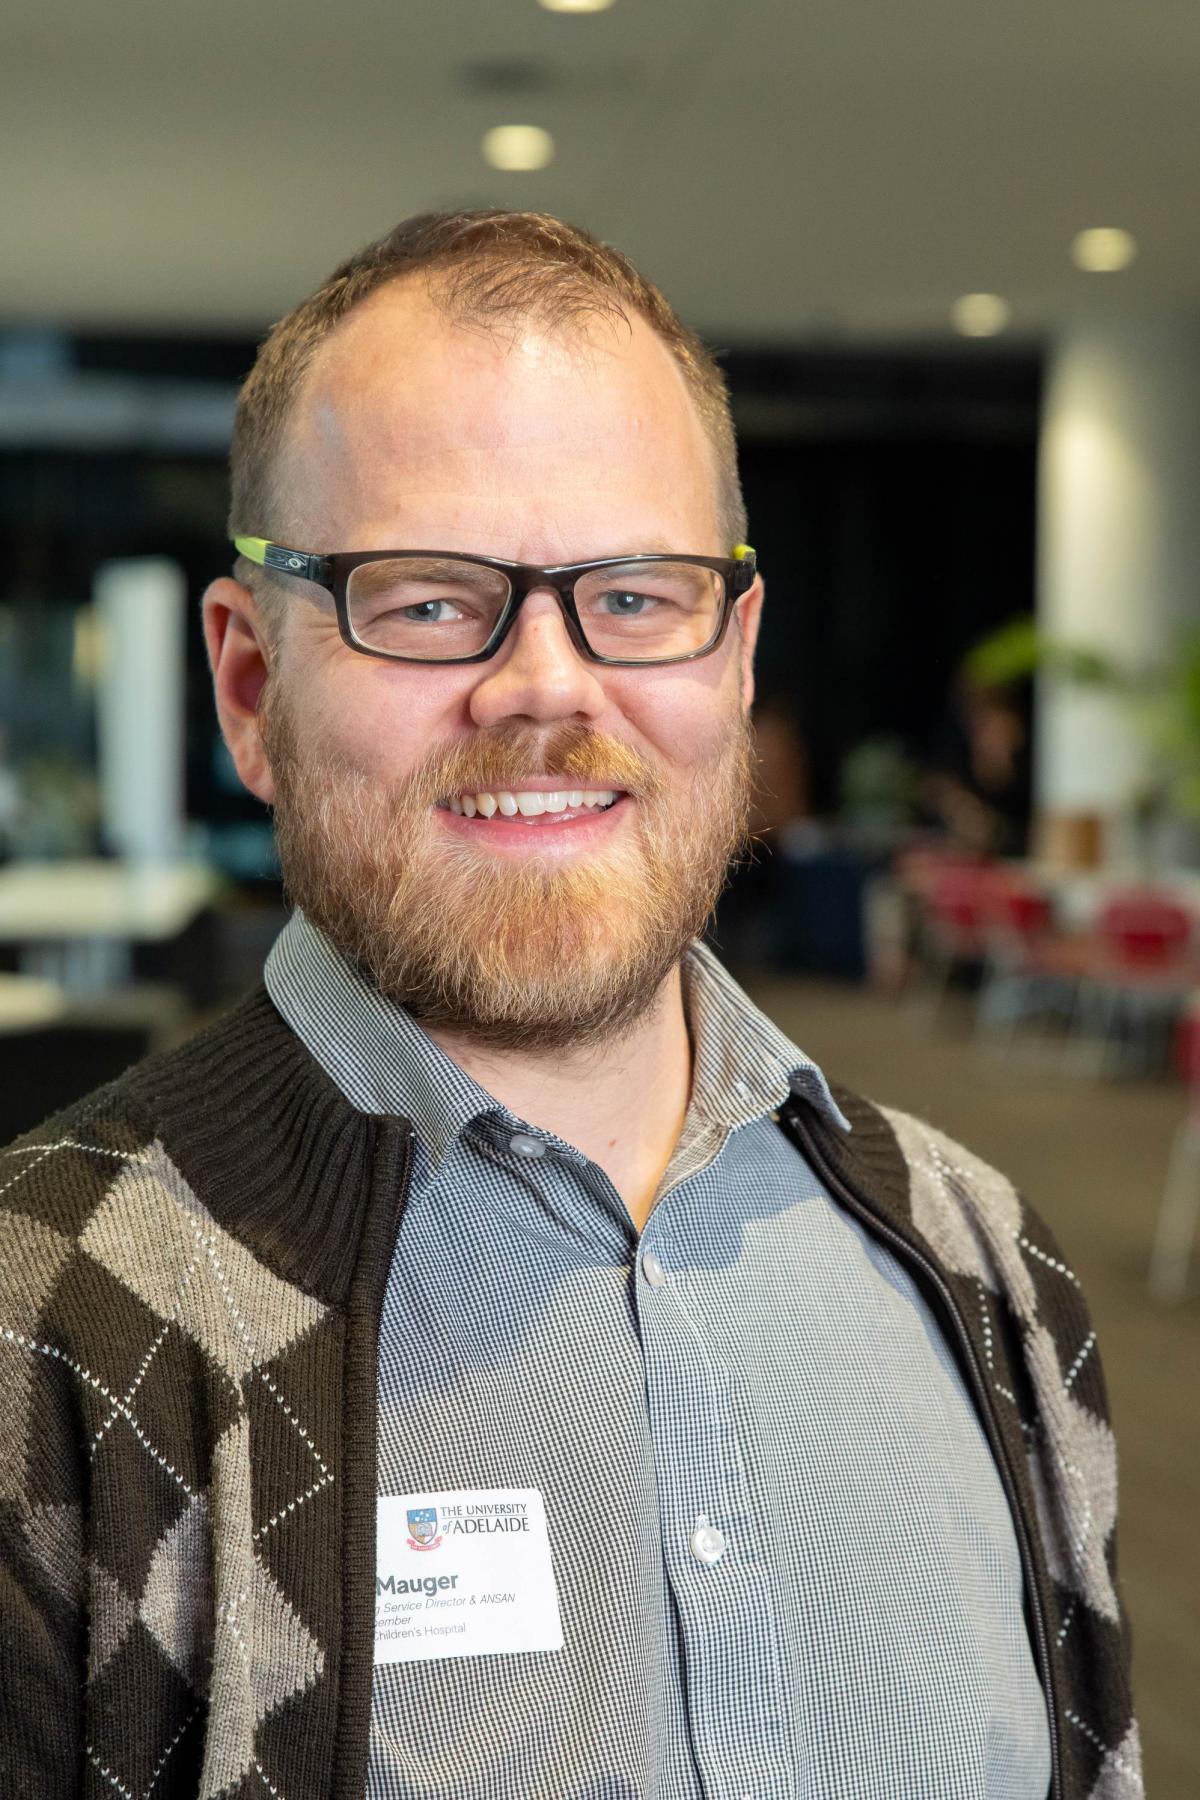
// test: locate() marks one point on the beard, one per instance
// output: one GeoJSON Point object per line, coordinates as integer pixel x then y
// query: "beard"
{"type": "Point", "coordinates": [530, 956]}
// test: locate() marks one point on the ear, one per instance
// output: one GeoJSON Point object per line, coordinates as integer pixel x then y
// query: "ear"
{"type": "Point", "coordinates": [239, 655]}
{"type": "Point", "coordinates": [748, 614]}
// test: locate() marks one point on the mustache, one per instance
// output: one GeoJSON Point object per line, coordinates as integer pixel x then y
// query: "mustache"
{"type": "Point", "coordinates": [511, 754]}
{"type": "Point", "coordinates": [502, 756]}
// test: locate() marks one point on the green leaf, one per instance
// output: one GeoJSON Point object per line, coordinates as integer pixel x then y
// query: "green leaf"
{"type": "Point", "coordinates": [1021, 649]}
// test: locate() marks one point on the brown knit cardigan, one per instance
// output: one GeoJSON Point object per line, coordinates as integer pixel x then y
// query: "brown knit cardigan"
{"type": "Point", "coordinates": [192, 1264]}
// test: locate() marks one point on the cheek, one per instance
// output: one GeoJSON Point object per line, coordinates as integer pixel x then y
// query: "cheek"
{"type": "Point", "coordinates": [685, 717]}
{"type": "Point", "coordinates": [375, 716]}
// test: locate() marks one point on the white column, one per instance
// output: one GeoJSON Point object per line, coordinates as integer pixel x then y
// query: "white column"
{"type": "Point", "coordinates": [140, 707]}
{"type": "Point", "coordinates": [1118, 536]}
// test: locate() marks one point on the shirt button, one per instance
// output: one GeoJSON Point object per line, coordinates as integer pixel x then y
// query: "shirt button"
{"type": "Point", "coordinates": [708, 1544]}
{"type": "Point", "coordinates": [653, 1270]}
{"type": "Point", "coordinates": [521, 1144]}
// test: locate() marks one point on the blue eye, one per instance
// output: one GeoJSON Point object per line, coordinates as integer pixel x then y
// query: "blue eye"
{"type": "Point", "coordinates": [420, 614]}
{"type": "Point", "coordinates": [628, 605]}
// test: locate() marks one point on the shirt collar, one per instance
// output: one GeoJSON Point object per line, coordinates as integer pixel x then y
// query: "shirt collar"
{"type": "Point", "coordinates": [373, 1049]}
{"type": "Point", "coordinates": [744, 1066]}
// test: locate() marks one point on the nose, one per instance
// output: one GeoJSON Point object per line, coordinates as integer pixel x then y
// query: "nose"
{"type": "Point", "coordinates": [537, 673]}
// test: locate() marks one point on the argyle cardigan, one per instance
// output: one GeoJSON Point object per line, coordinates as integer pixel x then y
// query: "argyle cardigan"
{"type": "Point", "coordinates": [192, 1267]}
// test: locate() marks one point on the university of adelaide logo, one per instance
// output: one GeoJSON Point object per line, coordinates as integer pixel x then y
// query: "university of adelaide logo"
{"type": "Point", "coordinates": [422, 1525]}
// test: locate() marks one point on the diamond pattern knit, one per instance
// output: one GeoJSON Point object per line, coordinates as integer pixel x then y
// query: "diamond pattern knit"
{"type": "Point", "coordinates": [192, 1263]}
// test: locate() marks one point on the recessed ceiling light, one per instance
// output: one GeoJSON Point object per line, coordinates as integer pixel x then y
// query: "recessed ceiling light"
{"type": "Point", "coordinates": [576, 5]}
{"type": "Point", "coordinates": [518, 147]}
{"type": "Point", "coordinates": [1104, 249]}
{"type": "Point", "coordinates": [980, 315]}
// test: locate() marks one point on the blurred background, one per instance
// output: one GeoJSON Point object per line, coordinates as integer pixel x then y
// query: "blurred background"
{"type": "Point", "coordinates": [948, 254]}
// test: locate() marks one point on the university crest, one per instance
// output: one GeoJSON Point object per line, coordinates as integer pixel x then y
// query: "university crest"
{"type": "Point", "coordinates": [422, 1524]}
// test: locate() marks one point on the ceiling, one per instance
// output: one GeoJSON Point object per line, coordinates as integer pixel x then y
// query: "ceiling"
{"type": "Point", "coordinates": [785, 169]}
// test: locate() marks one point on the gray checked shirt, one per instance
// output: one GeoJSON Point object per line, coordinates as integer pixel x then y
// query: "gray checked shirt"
{"type": "Point", "coordinates": [783, 1561]}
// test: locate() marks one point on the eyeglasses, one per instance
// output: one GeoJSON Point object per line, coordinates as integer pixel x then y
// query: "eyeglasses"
{"type": "Point", "coordinates": [435, 606]}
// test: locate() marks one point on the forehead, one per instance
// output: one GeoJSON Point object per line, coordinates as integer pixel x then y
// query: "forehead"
{"type": "Point", "coordinates": [405, 406]}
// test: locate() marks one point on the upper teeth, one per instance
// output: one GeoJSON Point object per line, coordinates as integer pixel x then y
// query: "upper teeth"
{"type": "Point", "coordinates": [530, 804]}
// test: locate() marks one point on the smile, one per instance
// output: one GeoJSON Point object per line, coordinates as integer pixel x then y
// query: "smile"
{"type": "Point", "coordinates": [532, 805]}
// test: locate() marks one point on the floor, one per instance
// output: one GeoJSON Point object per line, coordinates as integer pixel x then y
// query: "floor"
{"type": "Point", "coordinates": [1092, 1157]}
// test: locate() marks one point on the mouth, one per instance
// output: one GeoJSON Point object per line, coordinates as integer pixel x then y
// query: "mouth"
{"type": "Point", "coordinates": [540, 808]}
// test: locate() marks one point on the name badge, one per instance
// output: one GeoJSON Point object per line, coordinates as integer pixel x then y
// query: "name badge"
{"type": "Point", "coordinates": [463, 1574]}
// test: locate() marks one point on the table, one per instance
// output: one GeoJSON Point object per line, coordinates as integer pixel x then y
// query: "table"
{"type": "Point", "coordinates": [76, 922]}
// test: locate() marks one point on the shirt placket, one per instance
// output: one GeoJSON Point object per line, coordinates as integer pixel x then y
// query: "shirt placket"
{"type": "Point", "coordinates": [716, 1542]}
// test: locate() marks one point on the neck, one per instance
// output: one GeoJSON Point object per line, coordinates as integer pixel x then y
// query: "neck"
{"type": "Point", "coordinates": [622, 1102]}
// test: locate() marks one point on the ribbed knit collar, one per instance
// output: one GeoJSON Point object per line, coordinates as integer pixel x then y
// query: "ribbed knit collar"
{"type": "Point", "coordinates": [279, 1156]}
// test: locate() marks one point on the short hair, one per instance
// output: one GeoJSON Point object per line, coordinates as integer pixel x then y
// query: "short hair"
{"type": "Point", "coordinates": [492, 267]}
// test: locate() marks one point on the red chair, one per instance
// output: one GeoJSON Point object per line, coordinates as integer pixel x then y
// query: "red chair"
{"type": "Point", "coordinates": [1030, 966]}
{"type": "Point", "coordinates": [1175, 1231]}
{"type": "Point", "coordinates": [1139, 968]}
{"type": "Point", "coordinates": [955, 907]}
{"type": "Point", "coordinates": [1023, 911]}
{"type": "Point", "coordinates": [1146, 931]}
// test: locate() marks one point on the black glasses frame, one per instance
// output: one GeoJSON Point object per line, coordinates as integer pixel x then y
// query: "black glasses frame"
{"type": "Point", "coordinates": [333, 572]}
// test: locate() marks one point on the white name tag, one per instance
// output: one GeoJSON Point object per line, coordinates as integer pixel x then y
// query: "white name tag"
{"type": "Point", "coordinates": [464, 1574]}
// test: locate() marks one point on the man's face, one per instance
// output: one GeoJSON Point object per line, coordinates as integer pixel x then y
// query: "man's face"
{"type": "Point", "coordinates": [536, 447]}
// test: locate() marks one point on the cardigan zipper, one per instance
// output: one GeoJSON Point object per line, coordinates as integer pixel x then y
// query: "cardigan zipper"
{"type": "Point", "coordinates": [380, 1230]}
{"type": "Point", "coordinates": [864, 1211]}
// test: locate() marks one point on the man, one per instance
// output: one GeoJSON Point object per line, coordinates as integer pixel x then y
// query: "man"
{"type": "Point", "coordinates": [491, 1361]}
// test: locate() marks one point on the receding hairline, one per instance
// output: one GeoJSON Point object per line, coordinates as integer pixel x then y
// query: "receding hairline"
{"type": "Point", "coordinates": [490, 272]}
{"type": "Point", "coordinates": [432, 298]}
{"type": "Point", "coordinates": [428, 293]}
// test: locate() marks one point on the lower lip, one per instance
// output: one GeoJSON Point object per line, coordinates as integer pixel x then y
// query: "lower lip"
{"type": "Point", "coordinates": [547, 834]}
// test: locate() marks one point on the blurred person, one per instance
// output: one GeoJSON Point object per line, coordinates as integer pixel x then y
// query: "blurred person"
{"type": "Point", "coordinates": [492, 1360]}
{"type": "Point", "coordinates": [781, 788]}
{"type": "Point", "coordinates": [979, 782]}
{"type": "Point", "coordinates": [747, 926]}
